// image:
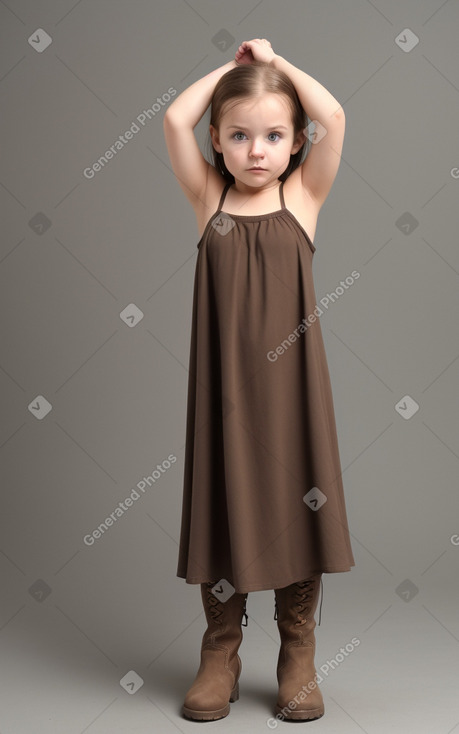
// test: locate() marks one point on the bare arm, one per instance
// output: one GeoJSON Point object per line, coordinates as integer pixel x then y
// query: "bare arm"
{"type": "Point", "coordinates": [317, 101]}
{"type": "Point", "coordinates": [191, 104]}
{"type": "Point", "coordinates": [321, 165]}
{"type": "Point", "coordinates": [180, 119]}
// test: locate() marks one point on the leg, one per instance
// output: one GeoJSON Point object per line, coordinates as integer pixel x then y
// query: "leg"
{"type": "Point", "coordinates": [296, 605]}
{"type": "Point", "coordinates": [217, 680]}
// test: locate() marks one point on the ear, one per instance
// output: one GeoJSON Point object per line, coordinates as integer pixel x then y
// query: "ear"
{"type": "Point", "coordinates": [215, 138]}
{"type": "Point", "coordinates": [298, 142]}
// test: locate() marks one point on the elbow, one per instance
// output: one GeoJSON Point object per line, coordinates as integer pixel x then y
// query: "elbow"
{"type": "Point", "coordinates": [339, 115]}
{"type": "Point", "coordinates": [169, 119]}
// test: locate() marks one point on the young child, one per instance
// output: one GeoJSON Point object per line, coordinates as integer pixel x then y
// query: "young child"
{"type": "Point", "coordinates": [263, 503]}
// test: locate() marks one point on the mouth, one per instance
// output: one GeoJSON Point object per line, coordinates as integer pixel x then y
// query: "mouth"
{"type": "Point", "coordinates": [256, 168]}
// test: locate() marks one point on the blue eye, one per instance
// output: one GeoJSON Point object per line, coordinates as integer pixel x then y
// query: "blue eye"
{"type": "Point", "coordinates": [243, 136]}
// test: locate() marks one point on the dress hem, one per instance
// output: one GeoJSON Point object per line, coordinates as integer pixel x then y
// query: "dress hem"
{"type": "Point", "coordinates": [273, 584]}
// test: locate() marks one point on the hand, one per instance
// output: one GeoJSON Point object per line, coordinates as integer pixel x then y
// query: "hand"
{"type": "Point", "coordinates": [259, 49]}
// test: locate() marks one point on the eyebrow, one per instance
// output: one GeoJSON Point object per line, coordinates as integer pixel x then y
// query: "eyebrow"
{"type": "Point", "coordinates": [241, 127]}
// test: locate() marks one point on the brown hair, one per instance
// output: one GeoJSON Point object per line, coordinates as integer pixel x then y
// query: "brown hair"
{"type": "Point", "coordinates": [247, 81]}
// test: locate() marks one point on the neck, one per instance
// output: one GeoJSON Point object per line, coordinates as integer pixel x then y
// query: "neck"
{"type": "Point", "coordinates": [257, 192]}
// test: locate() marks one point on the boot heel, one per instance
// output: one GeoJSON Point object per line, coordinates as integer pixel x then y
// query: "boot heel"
{"type": "Point", "coordinates": [235, 693]}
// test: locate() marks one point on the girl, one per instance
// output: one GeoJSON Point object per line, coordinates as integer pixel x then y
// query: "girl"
{"type": "Point", "coordinates": [263, 504]}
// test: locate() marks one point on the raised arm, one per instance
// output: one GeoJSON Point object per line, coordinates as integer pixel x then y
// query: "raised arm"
{"type": "Point", "coordinates": [180, 119]}
{"type": "Point", "coordinates": [321, 165]}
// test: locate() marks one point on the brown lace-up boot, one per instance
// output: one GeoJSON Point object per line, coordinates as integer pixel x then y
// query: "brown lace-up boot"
{"type": "Point", "coordinates": [217, 680]}
{"type": "Point", "coordinates": [295, 608]}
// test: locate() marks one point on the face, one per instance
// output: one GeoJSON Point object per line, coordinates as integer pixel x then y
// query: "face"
{"type": "Point", "coordinates": [257, 133]}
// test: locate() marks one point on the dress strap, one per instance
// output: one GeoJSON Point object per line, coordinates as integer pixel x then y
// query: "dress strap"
{"type": "Point", "coordinates": [222, 197]}
{"type": "Point", "coordinates": [281, 195]}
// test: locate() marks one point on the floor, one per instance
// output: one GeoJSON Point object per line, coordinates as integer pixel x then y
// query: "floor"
{"type": "Point", "coordinates": [401, 676]}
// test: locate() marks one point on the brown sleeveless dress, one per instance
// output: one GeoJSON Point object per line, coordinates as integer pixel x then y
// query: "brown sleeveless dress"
{"type": "Point", "coordinates": [263, 502]}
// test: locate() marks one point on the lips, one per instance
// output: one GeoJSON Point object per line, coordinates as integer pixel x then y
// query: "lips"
{"type": "Point", "coordinates": [257, 168]}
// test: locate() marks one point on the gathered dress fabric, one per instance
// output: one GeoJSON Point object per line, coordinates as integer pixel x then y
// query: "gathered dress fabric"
{"type": "Point", "coordinates": [263, 500]}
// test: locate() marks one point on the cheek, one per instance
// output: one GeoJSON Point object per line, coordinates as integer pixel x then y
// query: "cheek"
{"type": "Point", "coordinates": [287, 145]}
{"type": "Point", "coordinates": [233, 151]}
{"type": "Point", "coordinates": [285, 151]}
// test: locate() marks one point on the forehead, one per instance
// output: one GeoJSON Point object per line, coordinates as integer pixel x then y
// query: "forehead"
{"type": "Point", "coordinates": [269, 107]}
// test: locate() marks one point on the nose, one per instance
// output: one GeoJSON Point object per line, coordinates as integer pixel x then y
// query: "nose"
{"type": "Point", "coordinates": [256, 149]}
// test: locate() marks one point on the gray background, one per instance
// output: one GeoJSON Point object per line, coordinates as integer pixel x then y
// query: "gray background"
{"type": "Point", "coordinates": [75, 619]}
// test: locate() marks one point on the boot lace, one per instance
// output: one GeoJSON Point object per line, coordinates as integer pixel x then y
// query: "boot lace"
{"type": "Point", "coordinates": [302, 594]}
{"type": "Point", "coordinates": [216, 606]}
{"type": "Point", "coordinates": [302, 591]}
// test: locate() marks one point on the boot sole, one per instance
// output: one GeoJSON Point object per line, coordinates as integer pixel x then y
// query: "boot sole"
{"type": "Point", "coordinates": [212, 715]}
{"type": "Point", "coordinates": [298, 715]}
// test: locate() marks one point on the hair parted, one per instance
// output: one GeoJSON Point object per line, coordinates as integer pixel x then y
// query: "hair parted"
{"type": "Point", "coordinates": [249, 81]}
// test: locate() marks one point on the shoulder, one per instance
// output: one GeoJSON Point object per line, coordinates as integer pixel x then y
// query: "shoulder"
{"type": "Point", "coordinates": [296, 191]}
{"type": "Point", "coordinates": [301, 203]}
{"type": "Point", "coordinates": [298, 195]}
{"type": "Point", "coordinates": [206, 204]}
